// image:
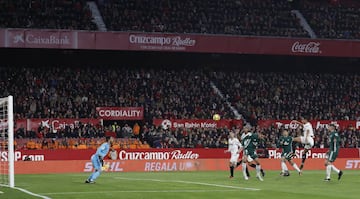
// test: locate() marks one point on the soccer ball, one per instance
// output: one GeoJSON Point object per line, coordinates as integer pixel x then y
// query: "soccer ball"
{"type": "Point", "coordinates": [216, 117]}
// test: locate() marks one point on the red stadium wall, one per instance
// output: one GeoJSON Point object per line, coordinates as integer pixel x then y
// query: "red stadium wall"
{"type": "Point", "coordinates": [69, 161]}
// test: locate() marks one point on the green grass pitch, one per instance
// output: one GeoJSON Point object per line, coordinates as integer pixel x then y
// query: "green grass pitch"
{"type": "Point", "coordinates": [186, 185]}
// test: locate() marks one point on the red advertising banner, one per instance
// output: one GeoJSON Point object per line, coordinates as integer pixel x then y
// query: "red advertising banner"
{"type": "Point", "coordinates": [56, 124]}
{"type": "Point", "coordinates": [20, 38]}
{"type": "Point", "coordinates": [120, 113]}
{"type": "Point", "coordinates": [30, 38]}
{"type": "Point", "coordinates": [317, 124]}
{"type": "Point", "coordinates": [197, 123]}
{"type": "Point", "coordinates": [21, 123]}
{"type": "Point", "coordinates": [79, 166]}
{"type": "Point", "coordinates": [162, 154]}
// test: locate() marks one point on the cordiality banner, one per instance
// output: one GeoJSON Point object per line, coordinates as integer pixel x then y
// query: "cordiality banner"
{"type": "Point", "coordinates": [134, 41]}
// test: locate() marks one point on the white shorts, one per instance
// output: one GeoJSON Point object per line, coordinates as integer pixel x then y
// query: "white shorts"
{"type": "Point", "coordinates": [307, 141]}
{"type": "Point", "coordinates": [248, 158]}
{"type": "Point", "coordinates": [234, 158]}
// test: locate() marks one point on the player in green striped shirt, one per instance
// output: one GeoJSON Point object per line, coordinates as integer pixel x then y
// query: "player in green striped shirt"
{"type": "Point", "coordinates": [250, 142]}
{"type": "Point", "coordinates": [285, 143]}
{"type": "Point", "coordinates": [334, 142]}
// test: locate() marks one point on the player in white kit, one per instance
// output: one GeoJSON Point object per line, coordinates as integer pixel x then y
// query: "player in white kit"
{"type": "Point", "coordinates": [234, 147]}
{"type": "Point", "coordinates": [307, 138]}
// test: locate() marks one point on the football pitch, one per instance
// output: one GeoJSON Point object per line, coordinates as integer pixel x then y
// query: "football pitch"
{"type": "Point", "coordinates": [186, 185]}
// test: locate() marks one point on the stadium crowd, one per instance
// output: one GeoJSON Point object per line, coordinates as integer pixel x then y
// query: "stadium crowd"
{"type": "Point", "coordinates": [240, 17]}
{"type": "Point", "coordinates": [333, 19]}
{"type": "Point", "coordinates": [289, 95]}
{"type": "Point", "coordinates": [156, 137]}
{"type": "Point", "coordinates": [76, 92]}
{"type": "Point", "coordinates": [183, 93]}
{"type": "Point", "coordinates": [337, 20]}
{"type": "Point", "coordinates": [45, 14]}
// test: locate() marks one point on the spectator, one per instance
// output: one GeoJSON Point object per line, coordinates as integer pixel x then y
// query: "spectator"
{"type": "Point", "coordinates": [46, 14]}
{"type": "Point", "coordinates": [266, 17]}
{"type": "Point", "coordinates": [334, 21]}
{"type": "Point", "coordinates": [136, 130]}
{"type": "Point", "coordinates": [113, 154]}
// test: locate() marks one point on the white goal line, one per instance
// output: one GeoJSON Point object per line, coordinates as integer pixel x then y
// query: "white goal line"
{"type": "Point", "coordinates": [27, 192]}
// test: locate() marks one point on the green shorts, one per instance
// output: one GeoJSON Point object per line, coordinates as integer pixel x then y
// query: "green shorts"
{"type": "Point", "coordinates": [251, 153]}
{"type": "Point", "coordinates": [332, 156]}
{"type": "Point", "coordinates": [287, 155]}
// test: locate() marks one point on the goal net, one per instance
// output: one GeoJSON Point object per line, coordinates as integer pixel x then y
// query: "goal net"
{"type": "Point", "coordinates": [6, 142]}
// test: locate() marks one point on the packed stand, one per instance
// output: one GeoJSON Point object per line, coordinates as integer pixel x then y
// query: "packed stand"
{"type": "Point", "coordinates": [289, 95]}
{"type": "Point", "coordinates": [184, 93]}
{"type": "Point", "coordinates": [157, 137]}
{"type": "Point", "coordinates": [350, 137]}
{"type": "Point", "coordinates": [237, 17]}
{"type": "Point", "coordinates": [46, 14]}
{"type": "Point", "coordinates": [76, 92]}
{"type": "Point", "coordinates": [337, 20]}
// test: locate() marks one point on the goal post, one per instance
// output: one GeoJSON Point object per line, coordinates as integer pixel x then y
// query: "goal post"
{"type": "Point", "coordinates": [7, 171]}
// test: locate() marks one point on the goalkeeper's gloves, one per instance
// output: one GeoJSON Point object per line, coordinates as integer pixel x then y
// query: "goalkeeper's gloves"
{"type": "Point", "coordinates": [105, 167]}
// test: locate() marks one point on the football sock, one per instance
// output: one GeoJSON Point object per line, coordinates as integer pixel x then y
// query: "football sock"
{"type": "Point", "coordinates": [253, 165]}
{"type": "Point", "coordinates": [95, 175]}
{"type": "Point", "coordinates": [303, 158]}
{"type": "Point", "coordinates": [328, 171]}
{"type": "Point", "coordinates": [247, 172]}
{"type": "Point", "coordinates": [283, 167]}
{"type": "Point", "coordinates": [232, 171]}
{"type": "Point", "coordinates": [258, 167]}
{"type": "Point", "coordinates": [335, 169]}
{"type": "Point", "coordinates": [90, 177]}
{"type": "Point", "coordinates": [296, 168]}
{"type": "Point", "coordinates": [243, 165]}
{"type": "Point", "coordinates": [239, 163]}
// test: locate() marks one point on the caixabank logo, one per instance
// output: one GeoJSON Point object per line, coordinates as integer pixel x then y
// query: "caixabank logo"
{"type": "Point", "coordinates": [40, 38]}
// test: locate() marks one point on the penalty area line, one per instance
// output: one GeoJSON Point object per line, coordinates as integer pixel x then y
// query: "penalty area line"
{"type": "Point", "coordinates": [190, 182]}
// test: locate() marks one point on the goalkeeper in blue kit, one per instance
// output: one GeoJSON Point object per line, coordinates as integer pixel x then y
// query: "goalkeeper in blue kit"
{"type": "Point", "coordinates": [98, 159]}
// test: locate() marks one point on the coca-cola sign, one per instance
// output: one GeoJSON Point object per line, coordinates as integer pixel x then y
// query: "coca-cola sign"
{"type": "Point", "coordinates": [309, 47]}
{"type": "Point", "coordinates": [157, 155]}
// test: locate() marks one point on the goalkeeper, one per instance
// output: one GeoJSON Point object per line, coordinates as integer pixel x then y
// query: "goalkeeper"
{"type": "Point", "coordinates": [98, 159]}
